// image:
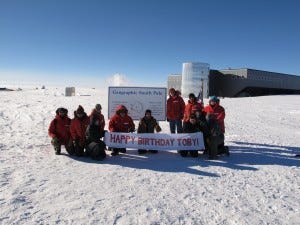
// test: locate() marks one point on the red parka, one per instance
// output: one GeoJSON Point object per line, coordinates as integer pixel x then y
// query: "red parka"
{"type": "Point", "coordinates": [118, 123]}
{"type": "Point", "coordinates": [78, 128]}
{"type": "Point", "coordinates": [60, 128]}
{"type": "Point", "coordinates": [190, 108]}
{"type": "Point", "coordinates": [218, 113]}
{"type": "Point", "coordinates": [175, 107]}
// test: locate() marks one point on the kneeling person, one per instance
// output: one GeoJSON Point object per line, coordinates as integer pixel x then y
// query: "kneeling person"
{"type": "Point", "coordinates": [95, 146]}
{"type": "Point", "coordinates": [78, 129]}
{"type": "Point", "coordinates": [215, 138]}
{"type": "Point", "coordinates": [120, 122]}
{"type": "Point", "coordinates": [191, 126]}
{"type": "Point", "coordinates": [60, 133]}
{"type": "Point", "coordinates": [147, 125]}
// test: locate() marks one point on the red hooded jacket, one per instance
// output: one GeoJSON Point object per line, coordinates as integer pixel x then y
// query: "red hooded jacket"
{"type": "Point", "coordinates": [78, 128]}
{"type": "Point", "coordinates": [59, 128]}
{"type": "Point", "coordinates": [190, 108]}
{"type": "Point", "coordinates": [175, 107]}
{"type": "Point", "coordinates": [118, 123]}
{"type": "Point", "coordinates": [218, 113]}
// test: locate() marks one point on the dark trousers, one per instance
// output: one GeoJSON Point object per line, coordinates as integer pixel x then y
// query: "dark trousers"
{"type": "Point", "coordinates": [177, 123]}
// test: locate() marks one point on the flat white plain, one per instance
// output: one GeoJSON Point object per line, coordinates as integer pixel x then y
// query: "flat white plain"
{"type": "Point", "coordinates": [258, 184]}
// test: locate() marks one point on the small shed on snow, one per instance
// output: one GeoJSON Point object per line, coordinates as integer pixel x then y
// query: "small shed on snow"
{"type": "Point", "coordinates": [70, 91]}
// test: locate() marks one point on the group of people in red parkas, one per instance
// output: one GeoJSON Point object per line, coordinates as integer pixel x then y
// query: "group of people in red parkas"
{"type": "Point", "coordinates": [82, 135]}
{"type": "Point", "coordinates": [81, 132]}
{"type": "Point", "coordinates": [194, 117]}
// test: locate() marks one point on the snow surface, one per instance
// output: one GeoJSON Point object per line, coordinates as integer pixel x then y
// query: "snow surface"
{"type": "Point", "coordinates": [258, 184]}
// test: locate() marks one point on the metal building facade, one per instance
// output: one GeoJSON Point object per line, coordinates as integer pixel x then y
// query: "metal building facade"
{"type": "Point", "coordinates": [250, 82]}
{"type": "Point", "coordinates": [195, 78]}
{"type": "Point", "coordinates": [174, 81]}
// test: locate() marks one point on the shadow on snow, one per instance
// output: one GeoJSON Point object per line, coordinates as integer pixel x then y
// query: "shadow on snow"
{"type": "Point", "coordinates": [242, 156]}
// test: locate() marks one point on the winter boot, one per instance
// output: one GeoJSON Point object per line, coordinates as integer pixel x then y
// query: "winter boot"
{"type": "Point", "coordinates": [226, 150]}
{"type": "Point", "coordinates": [183, 153]}
{"type": "Point", "coordinates": [153, 151]}
{"type": "Point", "coordinates": [122, 150]}
{"type": "Point", "coordinates": [70, 149]}
{"type": "Point", "coordinates": [213, 157]}
{"type": "Point", "coordinates": [114, 152]}
{"type": "Point", "coordinates": [142, 151]}
{"type": "Point", "coordinates": [57, 150]}
{"type": "Point", "coordinates": [194, 154]}
{"type": "Point", "coordinates": [79, 151]}
{"type": "Point", "coordinates": [205, 152]}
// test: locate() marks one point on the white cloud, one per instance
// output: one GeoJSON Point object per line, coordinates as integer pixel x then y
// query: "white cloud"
{"type": "Point", "coordinates": [118, 80]}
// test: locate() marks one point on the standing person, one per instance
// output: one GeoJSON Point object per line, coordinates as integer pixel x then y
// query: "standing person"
{"type": "Point", "coordinates": [191, 107]}
{"type": "Point", "coordinates": [60, 133]}
{"type": "Point", "coordinates": [120, 122]}
{"type": "Point", "coordinates": [218, 113]}
{"type": "Point", "coordinates": [190, 126]}
{"type": "Point", "coordinates": [147, 125]}
{"type": "Point", "coordinates": [96, 113]}
{"type": "Point", "coordinates": [95, 146]}
{"type": "Point", "coordinates": [78, 128]}
{"type": "Point", "coordinates": [175, 111]}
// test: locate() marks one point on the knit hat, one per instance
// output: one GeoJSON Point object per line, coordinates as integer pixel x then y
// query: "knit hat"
{"type": "Point", "coordinates": [148, 111]}
{"type": "Point", "coordinates": [61, 110]}
{"type": "Point", "coordinates": [98, 107]}
{"type": "Point", "coordinates": [192, 95]}
{"type": "Point", "coordinates": [80, 110]}
{"type": "Point", "coordinates": [214, 98]}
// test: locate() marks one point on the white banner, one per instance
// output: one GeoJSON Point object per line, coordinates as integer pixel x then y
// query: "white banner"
{"type": "Point", "coordinates": [155, 141]}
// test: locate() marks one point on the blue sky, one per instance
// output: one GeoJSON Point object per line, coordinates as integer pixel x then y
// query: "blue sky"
{"type": "Point", "coordinates": [87, 41]}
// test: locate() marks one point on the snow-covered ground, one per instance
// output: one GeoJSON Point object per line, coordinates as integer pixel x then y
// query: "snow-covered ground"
{"type": "Point", "coordinates": [258, 184]}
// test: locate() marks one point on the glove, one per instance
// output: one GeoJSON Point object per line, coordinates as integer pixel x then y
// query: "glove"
{"type": "Point", "coordinates": [55, 141]}
{"type": "Point", "coordinates": [131, 129]}
{"type": "Point", "coordinates": [158, 128]}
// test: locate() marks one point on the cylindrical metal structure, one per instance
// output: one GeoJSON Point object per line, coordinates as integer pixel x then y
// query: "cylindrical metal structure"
{"type": "Point", "coordinates": [195, 79]}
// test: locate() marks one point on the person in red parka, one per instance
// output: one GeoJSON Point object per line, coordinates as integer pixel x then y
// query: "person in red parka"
{"type": "Point", "coordinates": [120, 122]}
{"type": "Point", "coordinates": [96, 114]}
{"type": "Point", "coordinates": [191, 107]}
{"type": "Point", "coordinates": [217, 112]}
{"type": "Point", "coordinates": [78, 128]}
{"type": "Point", "coordinates": [175, 111]}
{"type": "Point", "coordinates": [60, 133]}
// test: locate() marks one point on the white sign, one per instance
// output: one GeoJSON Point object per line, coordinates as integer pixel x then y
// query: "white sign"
{"type": "Point", "coordinates": [137, 100]}
{"type": "Point", "coordinates": [155, 141]}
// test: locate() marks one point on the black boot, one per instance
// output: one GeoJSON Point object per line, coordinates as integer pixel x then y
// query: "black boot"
{"type": "Point", "coordinates": [70, 150]}
{"type": "Point", "coordinates": [183, 153]}
{"type": "Point", "coordinates": [194, 154]}
{"type": "Point", "coordinates": [57, 150]}
{"type": "Point", "coordinates": [153, 151]}
{"type": "Point", "coordinates": [114, 151]}
{"type": "Point", "coordinates": [142, 151]}
{"type": "Point", "coordinates": [122, 150]}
